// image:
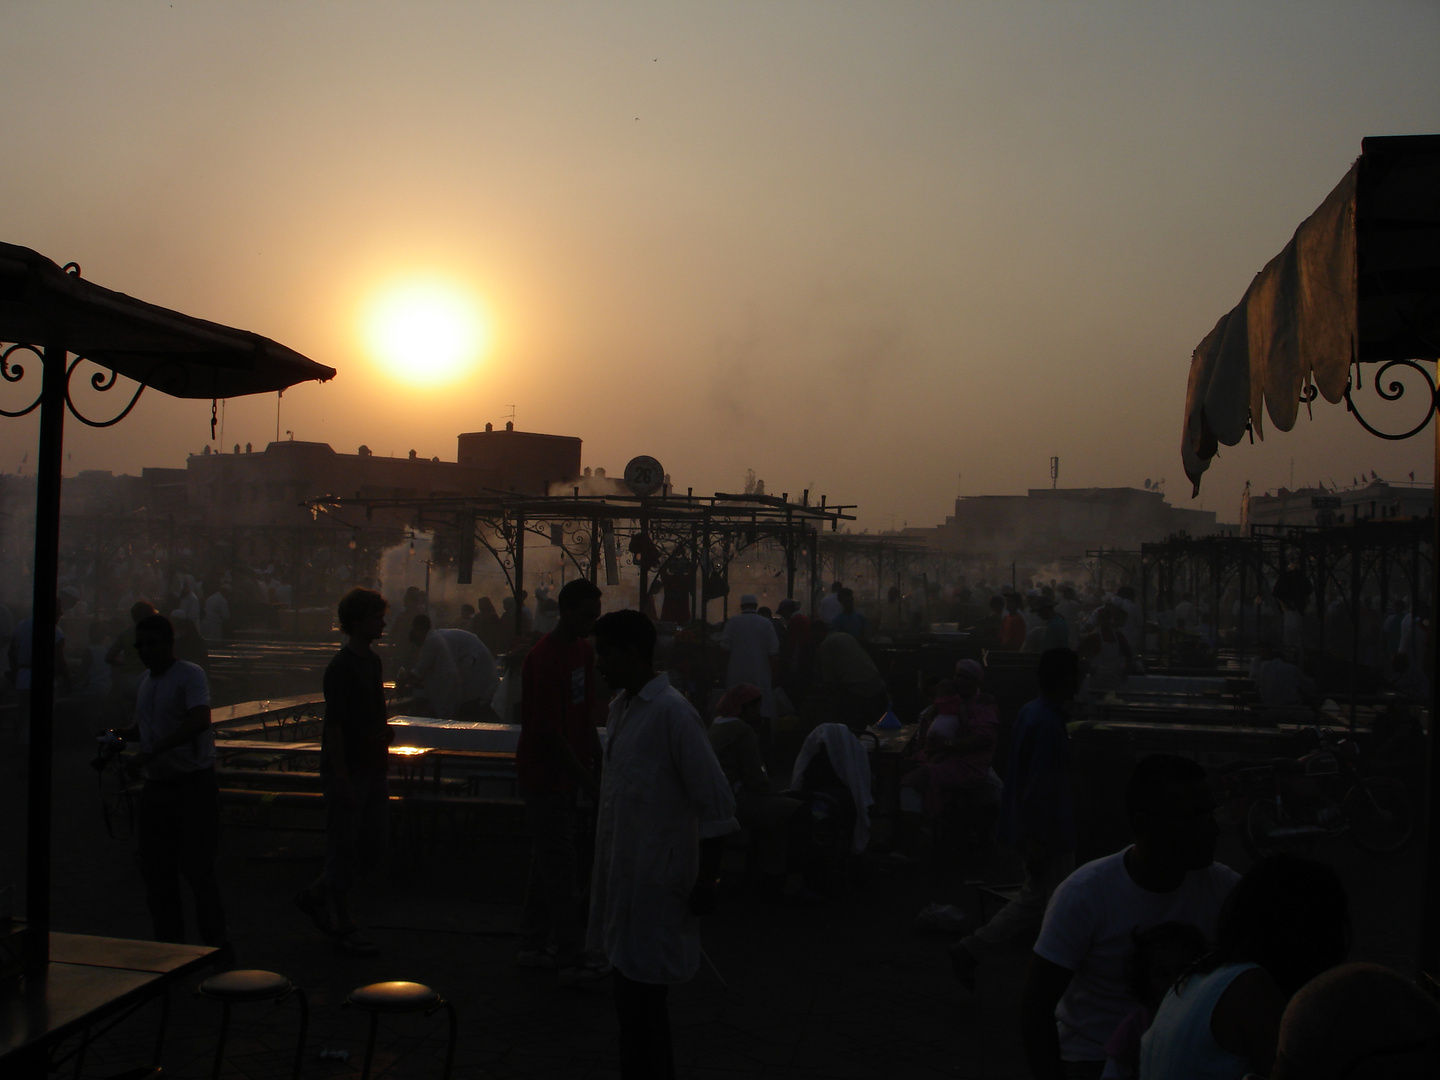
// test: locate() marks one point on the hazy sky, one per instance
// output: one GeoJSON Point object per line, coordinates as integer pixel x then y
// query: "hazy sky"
{"type": "Point", "coordinates": [871, 249]}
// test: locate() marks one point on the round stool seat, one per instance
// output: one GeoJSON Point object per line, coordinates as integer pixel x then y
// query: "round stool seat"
{"type": "Point", "coordinates": [393, 997]}
{"type": "Point", "coordinates": [245, 985]}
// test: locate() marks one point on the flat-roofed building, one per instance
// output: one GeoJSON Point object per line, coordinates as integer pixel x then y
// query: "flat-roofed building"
{"type": "Point", "coordinates": [1052, 523]}
{"type": "Point", "coordinates": [526, 461]}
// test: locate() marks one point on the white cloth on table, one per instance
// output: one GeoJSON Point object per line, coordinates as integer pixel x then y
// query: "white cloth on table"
{"type": "Point", "coordinates": [751, 641]}
{"type": "Point", "coordinates": [850, 762]}
{"type": "Point", "coordinates": [662, 792]}
{"type": "Point", "coordinates": [479, 678]}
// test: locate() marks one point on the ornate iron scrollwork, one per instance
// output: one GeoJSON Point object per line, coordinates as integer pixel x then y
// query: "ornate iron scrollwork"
{"type": "Point", "coordinates": [12, 372]}
{"type": "Point", "coordinates": [572, 534]}
{"type": "Point", "coordinates": [103, 380]}
{"type": "Point", "coordinates": [1394, 391]}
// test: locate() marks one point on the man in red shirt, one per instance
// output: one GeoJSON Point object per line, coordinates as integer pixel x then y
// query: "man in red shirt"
{"type": "Point", "coordinates": [1012, 626]}
{"type": "Point", "coordinates": [558, 757]}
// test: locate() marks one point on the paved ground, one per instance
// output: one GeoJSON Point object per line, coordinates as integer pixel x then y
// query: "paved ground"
{"type": "Point", "coordinates": [848, 990]}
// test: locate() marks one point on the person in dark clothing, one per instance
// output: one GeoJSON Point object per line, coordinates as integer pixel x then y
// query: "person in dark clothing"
{"type": "Point", "coordinates": [1037, 817]}
{"type": "Point", "coordinates": [179, 818]}
{"type": "Point", "coordinates": [557, 758]}
{"type": "Point", "coordinates": [759, 808]}
{"type": "Point", "coordinates": [354, 761]}
{"type": "Point", "coordinates": [986, 632]}
{"type": "Point", "coordinates": [1292, 588]}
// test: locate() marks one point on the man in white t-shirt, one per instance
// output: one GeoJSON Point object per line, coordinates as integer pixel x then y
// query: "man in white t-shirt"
{"type": "Point", "coordinates": [179, 816]}
{"type": "Point", "coordinates": [1076, 992]}
{"type": "Point", "coordinates": [830, 606]}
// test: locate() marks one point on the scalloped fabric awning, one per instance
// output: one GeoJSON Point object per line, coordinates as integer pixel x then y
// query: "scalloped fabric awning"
{"type": "Point", "coordinates": [1358, 283]}
{"type": "Point", "coordinates": [1295, 325]}
{"type": "Point", "coordinates": [176, 354]}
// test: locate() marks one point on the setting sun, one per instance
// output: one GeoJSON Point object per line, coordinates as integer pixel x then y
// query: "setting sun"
{"type": "Point", "coordinates": [425, 332]}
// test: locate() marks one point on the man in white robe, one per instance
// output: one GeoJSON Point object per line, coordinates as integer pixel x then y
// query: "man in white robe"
{"type": "Point", "coordinates": [752, 649]}
{"type": "Point", "coordinates": [665, 806]}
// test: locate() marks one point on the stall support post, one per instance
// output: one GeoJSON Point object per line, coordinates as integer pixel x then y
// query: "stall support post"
{"type": "Point", "coordinates": [644, 584]}
{"type": "Point", "coordinates": [1240, 613]}
{"type": "Point", "coordinates": [814, 570]}
{"type": "Point", "coordinates": [1356, 587]}
{"type": "Point", "coordinates": [1429, 954]}
{"type": "Point", "coordinates": [789, 555]}
{"type": "Point", "coordinates": [519, 583]}
{"type": "Point", "coordinates": [702, 565]}
{"type": "Point", "coordinates": [42, 650]}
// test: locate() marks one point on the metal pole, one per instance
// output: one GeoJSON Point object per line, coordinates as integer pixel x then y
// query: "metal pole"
{"type": "Point", "coordinates": [702, 562]}
{"type": "Point", "coordinates": [1240, 611]}
{"type": "Point", "coordinates": [790, 542]}
{"type": "Point", "coordinates": [42, 649]}
{"type": "Point", "coordinates": [1429, 954]}
{"type": "Point", "coordinates": [1355, 591]}
{"type": "Point", "coordinates": [814, 569]}
{"type": "Point", "coordinates": [594, 551]}
{"type": "Point", "coordinates": [519, 583]}
{"type": "Point", "coordinates": [643, 583]}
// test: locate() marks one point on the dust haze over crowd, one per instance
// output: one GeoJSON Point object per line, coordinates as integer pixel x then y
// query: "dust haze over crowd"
{"type": "Point", "coordinates": [866, 250]}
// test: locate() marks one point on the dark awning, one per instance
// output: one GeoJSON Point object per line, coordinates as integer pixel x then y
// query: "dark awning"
{"type": "Point", "coordinates": [176, 354]}
{"type": "Point", "coordinates": [1359, 282]}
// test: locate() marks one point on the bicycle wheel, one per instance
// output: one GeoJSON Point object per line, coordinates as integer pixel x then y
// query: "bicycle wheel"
{"type": "Point", "coordinates": [1261, 817]}
{"type": "Point", "coordinates": [1379, 814]}
{"type": "Point", "coordinates": [1257, 832]}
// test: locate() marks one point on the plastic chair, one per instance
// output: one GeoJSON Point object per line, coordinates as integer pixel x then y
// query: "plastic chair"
{"type": "Point", "coordinates": [245, 986]}
{"type": "Point", "coordinates": [400, 997]}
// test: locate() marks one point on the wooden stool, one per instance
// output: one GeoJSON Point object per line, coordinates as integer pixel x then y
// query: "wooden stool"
{"type": "Point", "coordinates": [400, 997]}
{"type": "Point", "coordinates": [239, 987]}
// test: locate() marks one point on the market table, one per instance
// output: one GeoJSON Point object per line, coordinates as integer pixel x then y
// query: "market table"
{"type": "Point", "coordinates": [88, 981]}
{"type": "Point", "coordinates": [437, 734]}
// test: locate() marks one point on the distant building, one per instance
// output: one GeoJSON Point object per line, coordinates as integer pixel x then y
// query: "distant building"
{"type": "Point", "coordinates": [1048, 523]}
{"type": "Point", "coordinates": [269, 487]}
{"type": "Point", "coordinates": [524, 461]}
{"type": "Point", "coordinates": [1377, 500]}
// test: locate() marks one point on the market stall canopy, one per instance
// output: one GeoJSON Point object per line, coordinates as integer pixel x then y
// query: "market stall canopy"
{"type": "Point", "coordinates": [176, 354]}
{"type": "Point", "coordinates": [1358, 283]}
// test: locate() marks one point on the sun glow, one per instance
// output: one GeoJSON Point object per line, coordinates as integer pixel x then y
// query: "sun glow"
{"type": "Point", "coordinates": [426, 333]}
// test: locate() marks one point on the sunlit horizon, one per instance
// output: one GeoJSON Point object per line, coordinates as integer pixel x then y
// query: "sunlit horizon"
{"type": "Point", "coordinates": [893, 253]}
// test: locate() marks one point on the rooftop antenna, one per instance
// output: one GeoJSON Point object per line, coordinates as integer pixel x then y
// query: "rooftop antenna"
{"type": "Point", "coordinates": [511, 417]}
{"type": "Point", "coordinates": [1054, 472]}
